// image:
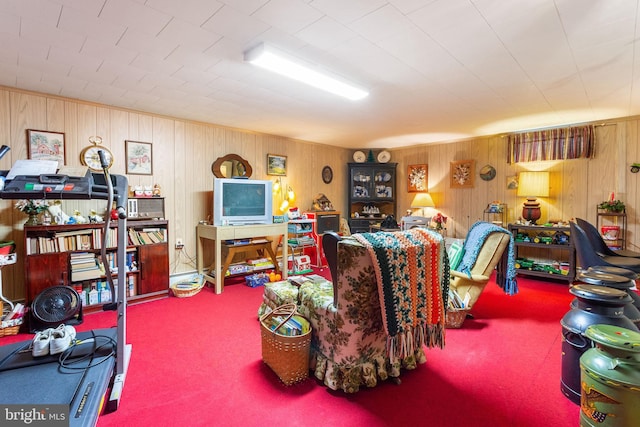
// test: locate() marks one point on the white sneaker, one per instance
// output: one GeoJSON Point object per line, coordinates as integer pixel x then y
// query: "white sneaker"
{"type": "Point", "coordinates": [40, 345]}
{"type": "Point", "coordinates": [61, 338]}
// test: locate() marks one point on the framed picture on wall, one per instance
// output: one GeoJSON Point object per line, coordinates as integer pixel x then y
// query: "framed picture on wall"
{"type": "Point", "coordinates": [417, 178]}
{"type": "Point", "coordinates": [139, 158]}
{"type": "Point", "coordinates": [276, 165]}
{"type": "Point", "coordinates": [45, 145]}
{"type": "Point", "coordinates": [462, 173]}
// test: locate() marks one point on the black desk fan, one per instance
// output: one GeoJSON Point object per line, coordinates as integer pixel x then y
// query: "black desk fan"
{"type": "Point", "coordinates": [54, 306]}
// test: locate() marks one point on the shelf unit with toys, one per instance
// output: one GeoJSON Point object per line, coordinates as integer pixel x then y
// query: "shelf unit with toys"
{"type": "Point", "coordinates": [301, 237]}
{"type": "Point", "coordinates": [71, 255]}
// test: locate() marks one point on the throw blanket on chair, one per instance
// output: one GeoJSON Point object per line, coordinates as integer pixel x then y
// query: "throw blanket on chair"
{"type": "Point", "coordinates": [472, 244]}
{"type": "Point", "coordinates": [412, 271]}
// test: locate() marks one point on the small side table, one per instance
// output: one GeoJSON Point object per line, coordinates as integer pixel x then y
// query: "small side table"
{"type": "Point", "coordinates": [374, 228]}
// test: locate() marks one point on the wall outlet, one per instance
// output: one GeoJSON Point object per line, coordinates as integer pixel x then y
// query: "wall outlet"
{"type": "Point", "coordinates": [179, 243]}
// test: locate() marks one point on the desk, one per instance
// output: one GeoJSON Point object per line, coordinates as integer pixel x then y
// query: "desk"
{"type": "Point", "coordinates": [230, 232]}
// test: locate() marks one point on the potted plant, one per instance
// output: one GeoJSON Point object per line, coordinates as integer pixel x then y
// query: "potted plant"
{"type": "Point", "coordinates": [612, 205]}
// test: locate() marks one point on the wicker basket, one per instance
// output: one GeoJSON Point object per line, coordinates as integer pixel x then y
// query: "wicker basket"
{"type": "Point", "coordinates": [189, 287]}
{"type": "Point", "coordinates": [287, 356]}
{"type": "Point", "coordinates": [15, 324]}
{"type": "Point", "coordinates": [11, 330]}
{"type": "Point", "coordinates": [455, 318]}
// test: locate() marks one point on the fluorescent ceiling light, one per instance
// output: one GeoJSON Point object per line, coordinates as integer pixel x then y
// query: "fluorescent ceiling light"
{"type": "Point", "coordinates": [277, 61]}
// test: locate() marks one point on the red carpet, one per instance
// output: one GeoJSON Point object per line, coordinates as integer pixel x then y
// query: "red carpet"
{"type": "Point", "coordinates": [197, 361]}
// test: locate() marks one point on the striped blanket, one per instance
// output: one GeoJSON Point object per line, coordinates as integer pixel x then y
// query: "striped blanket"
{"type": "Point", "coordinates": [412, 272]}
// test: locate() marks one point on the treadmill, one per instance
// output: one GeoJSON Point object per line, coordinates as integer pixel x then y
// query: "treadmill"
{"type": "Point", "coordinates": [90, 376]}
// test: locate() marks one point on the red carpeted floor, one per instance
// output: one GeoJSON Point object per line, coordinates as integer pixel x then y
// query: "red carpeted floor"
{"type": "Point", "coordinates": [197, 361]}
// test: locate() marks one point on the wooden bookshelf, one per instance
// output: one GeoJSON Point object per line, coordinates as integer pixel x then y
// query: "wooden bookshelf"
{"type": "Point", "coordinates": [71, 255]}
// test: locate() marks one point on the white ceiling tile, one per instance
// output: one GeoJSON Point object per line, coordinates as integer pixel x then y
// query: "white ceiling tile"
{"type": "Point", "coordinates": [382, 23]}
{"type": "Point", "coordinates": [188, 36]}
{"type": "Point", "coordinates": [99, 49]}
{"type": "Point", "coordinates": [75, 59]}
{"type": "Point", "coordinates": [234, 25]}
{"type": "Point", "coordinates": [90, 7]}
{"type": "Point", "coordinates": [76, 21]}
{"type": "Point", "coordinates": [134, 15]}
{"type": "Point", "coordinates": [326, 33]}
{"type": "Point", "coordinates": [9, 25]}
{"type": "Point", "coordinates": [35, 30]}
{"type": "Point", "coordinates": [408, 6]}
{"type": "Point", "coordinates": [288, 15]}
{"type": "Point", "coordinates": [346, 12]}
{"type": "Point", "coordinates": [199, 60]}
{"type": "Point", "coordinates": [195, 12]}
{"type": "Point", "coordinates": [247, 7]}
{"type": "Point", "coordinates": [143, 42]}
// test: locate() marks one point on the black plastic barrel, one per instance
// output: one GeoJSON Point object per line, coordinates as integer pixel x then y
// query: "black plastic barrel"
{"type": "Point", "coordinates": [594, 304]}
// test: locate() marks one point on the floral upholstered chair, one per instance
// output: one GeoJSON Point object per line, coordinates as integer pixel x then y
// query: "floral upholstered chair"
{"type": "Point", "coordinates": [350, 340]}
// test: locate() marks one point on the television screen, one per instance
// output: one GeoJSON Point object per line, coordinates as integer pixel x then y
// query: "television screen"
{"type": "Point", "coordinates": [242, 201]}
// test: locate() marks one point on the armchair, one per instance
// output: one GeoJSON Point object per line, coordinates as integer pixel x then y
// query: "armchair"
{"type": "Point", "coordinates": [351, 345]}
{"type": "Point", "coordinates": [484, 248]}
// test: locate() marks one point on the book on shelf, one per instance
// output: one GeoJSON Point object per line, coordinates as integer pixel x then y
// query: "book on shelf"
{"type": "Point", "coordinates": [79, 276]}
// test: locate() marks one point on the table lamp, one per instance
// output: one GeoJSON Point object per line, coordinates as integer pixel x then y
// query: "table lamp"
{"type": "Point", "coordinates": [532, 185]}
{"type": "Point", "coordinates": [421, 201]}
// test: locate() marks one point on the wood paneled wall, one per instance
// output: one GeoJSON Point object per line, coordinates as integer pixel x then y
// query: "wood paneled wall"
{"type": "Point", "coordinates": [183, 152]}
{"type": "Point", "coordinates": [577, 186]}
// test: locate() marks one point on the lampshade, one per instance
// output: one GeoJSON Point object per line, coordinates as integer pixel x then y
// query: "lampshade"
{"type": "Point", "coordinates": [532, 185]}
{"type": "Point", "coordinates": [535, 184]}
{"type": "Point", "coordinates": [422, 200]}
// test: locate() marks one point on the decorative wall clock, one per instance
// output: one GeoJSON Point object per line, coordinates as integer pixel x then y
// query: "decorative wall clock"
{"type": "Point", "coordinates": [89, 156]}
{"type": "Point", "coordinates": [462, 173]}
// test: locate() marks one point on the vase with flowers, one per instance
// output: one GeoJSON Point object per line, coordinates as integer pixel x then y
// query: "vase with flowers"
{"type": "Point", "coordinates": [439, 222]}
{"type": "Point", "coordinates": [33, 208]}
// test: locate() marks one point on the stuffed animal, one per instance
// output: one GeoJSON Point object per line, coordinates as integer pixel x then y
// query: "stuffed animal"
{"type": "Point", "coordinates": [95, 218]}
{"type": "Point", "coordinates": [55, 209]}
{"type": "Point", "coordinates": [148, 191]}
{"type": "Point", "coordinates": [78, 218]}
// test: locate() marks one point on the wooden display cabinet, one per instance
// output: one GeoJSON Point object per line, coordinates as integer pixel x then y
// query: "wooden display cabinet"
{"type": "Point", "coordinates": [372, 194]}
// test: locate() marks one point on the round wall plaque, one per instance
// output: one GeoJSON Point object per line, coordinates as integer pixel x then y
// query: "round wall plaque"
{"type": "Point", "coordinates": [327, 174]}
{"type": "Point", "coordinates": [487, 173]}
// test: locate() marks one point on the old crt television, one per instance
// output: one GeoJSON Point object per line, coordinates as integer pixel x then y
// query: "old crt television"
{"type": "Point", "coordinates": [238, 201]}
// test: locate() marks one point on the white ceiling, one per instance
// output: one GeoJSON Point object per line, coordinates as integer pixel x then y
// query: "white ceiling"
{"type": "Point", "coordinates": [436, 70]}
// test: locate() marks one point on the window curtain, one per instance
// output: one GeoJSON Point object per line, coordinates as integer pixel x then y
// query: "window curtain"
{"type": "Point", "coordinates": [552, 144]}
